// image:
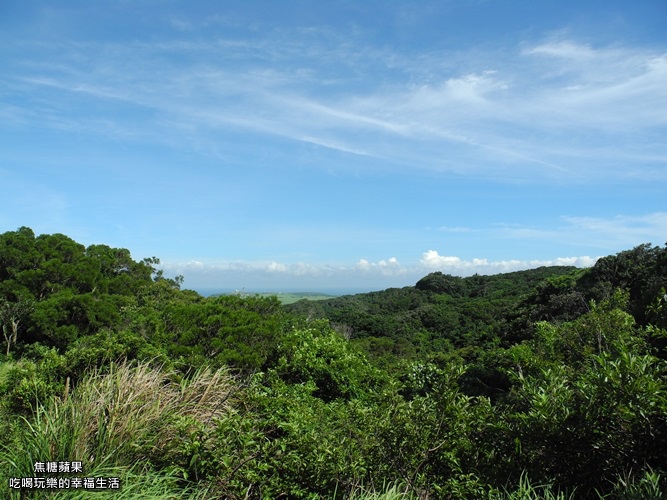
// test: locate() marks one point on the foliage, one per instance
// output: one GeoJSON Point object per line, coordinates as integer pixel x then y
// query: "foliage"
{"type": "Point", "coordinates": [590, 402]}
{"type": "Point", "coordinates": [226, 330]}
{"type": "Point", "coordinates": [649, 486]}
{"type": "Point", "coordinates": [62, 289]}
{"type": "Point", "coordinates": [527, 490]}
{"type": "Point", "coordinates": [549, 383]}
{"type": "Point", "coordinates": [117, 419]}
{"type": "Point", "coordinates": [320, 356]}
{"type": "Point", "coordinates": [641, 272]}
{"type": "Point", "coordinates": [440, 314]}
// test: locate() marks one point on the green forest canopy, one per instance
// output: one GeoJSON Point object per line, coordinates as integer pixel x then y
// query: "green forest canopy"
{"type": "Point", "coordinates": [456, 387]}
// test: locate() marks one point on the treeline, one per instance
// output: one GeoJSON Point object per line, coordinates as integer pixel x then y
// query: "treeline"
{"type": "Point", "coordinates": [440, 314]}
{"type": "Point", "coordinates": [547, 383]}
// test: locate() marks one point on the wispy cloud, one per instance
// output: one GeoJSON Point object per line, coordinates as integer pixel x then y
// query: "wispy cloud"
{"type": "Point", "coordinates": [308, 89]}
{"type": "Point", "coordinates": [621, 231]}
{"type": "Point", "coordinates": [606, 89]}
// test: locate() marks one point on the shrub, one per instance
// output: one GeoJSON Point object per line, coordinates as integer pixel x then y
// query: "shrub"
{"type": "Point", "coordinates": [125, 418]}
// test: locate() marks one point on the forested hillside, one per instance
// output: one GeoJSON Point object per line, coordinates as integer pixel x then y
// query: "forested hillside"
{"type": "Point", "coordinates": [440, 314]}
{"type": "Point", "coordinates": [543, 383]}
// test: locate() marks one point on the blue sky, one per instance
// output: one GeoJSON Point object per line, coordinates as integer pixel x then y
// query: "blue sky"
{"type": "Point", "coordinates": [340, 144]}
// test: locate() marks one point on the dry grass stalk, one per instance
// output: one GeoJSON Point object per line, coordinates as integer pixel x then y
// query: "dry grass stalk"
{"type": "Point", "coordinates": [126, 412]}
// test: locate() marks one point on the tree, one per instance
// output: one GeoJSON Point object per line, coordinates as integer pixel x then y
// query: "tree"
{"type": "Point", "coordinates": [442, 283]}
{"type": "Point", "coordinates": [11, 315]}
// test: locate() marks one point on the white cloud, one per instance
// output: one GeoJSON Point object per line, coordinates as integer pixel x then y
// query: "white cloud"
{"type": "Point", "coordinates": [609, 234]}
{"type": "Point", "coordinates": [363, 265]}
{"type": "Point", "coordinates": [275, 267]}
{"type": "Point", "coordinates": [608, 89]}
{"type": "Point", "coordinates": [303, 269]}
{"type": "Point", "coordinates": [565, 49]}
{"type": "Point", "coordinates": [388, 267]}
{"type": "Point", "coordinates": [364, 274]}
{"type": "Point", "coordinates": [574, 261]}
{"type": "Point", "coordinates": [523, 109]}
{"type": "Point", "coordinates": [472, 88]}
{"type": "Point", "coordinates": [431, 260]}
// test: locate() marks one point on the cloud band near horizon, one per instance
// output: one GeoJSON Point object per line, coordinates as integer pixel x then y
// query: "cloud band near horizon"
{"type": "Point", "coordinates": [385, 272]}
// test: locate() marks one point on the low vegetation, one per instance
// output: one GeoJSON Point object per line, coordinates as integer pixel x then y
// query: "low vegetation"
{"type": "Point", "coordinates": [549, 383]}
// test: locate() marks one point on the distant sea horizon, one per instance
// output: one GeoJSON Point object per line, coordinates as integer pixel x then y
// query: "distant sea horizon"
{"type": "Point", "coordinates": [207, 292]}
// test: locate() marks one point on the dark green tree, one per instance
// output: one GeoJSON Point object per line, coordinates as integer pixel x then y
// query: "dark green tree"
{"type": "Point", "coordinates": [12, 315]}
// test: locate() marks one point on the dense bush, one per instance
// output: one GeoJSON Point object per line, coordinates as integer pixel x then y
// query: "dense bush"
{"type": "Point", "coordinates": [550, 383]}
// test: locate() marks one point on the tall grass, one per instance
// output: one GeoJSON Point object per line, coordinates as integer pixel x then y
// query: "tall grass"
{"type": "Point", "coordinates": [526, 490]}
{"type": "Point", "coordinates": [647, 487]}
{"type": "Point", "coordinates": [118, 422]}
{"type": "Point", "coordinates": [395, 491]}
